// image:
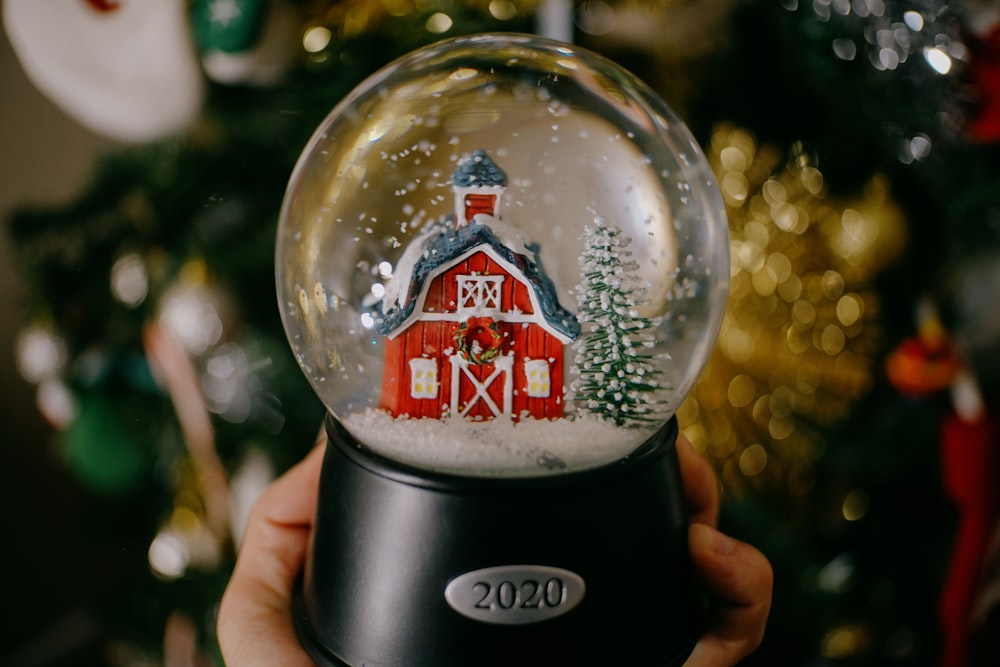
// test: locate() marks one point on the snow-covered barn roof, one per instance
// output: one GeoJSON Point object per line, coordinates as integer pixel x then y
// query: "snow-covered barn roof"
{"type": "Point", "coordinates": [440, 248]}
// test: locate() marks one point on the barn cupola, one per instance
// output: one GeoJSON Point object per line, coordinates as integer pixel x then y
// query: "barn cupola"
{"type": "Point", "coordinates": [479, 184]}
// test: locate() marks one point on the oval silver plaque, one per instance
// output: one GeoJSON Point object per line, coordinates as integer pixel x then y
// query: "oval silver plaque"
{"type": "Point", "coordinates": [515, 594]}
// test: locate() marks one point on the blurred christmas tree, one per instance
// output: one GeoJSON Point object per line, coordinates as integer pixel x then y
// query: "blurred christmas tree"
{"type": "Point", "coordinates": [855, 145]}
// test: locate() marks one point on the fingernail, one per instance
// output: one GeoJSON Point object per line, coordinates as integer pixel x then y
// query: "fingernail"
{"type": "Point", "coordinates": [720, 542]}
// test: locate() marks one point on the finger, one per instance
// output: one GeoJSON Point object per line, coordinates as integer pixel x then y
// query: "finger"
{"type": "Point", "coordinates": [255, 626]}
{"type": "Point", "coordinates": [701, 486]}
{"type": "Point", "coordinates": [738, 579]}
{"type": "Point", "coordinates": [273, 546]}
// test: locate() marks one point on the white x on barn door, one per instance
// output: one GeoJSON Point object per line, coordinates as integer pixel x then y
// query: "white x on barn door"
{"type": "Point", "coordinates": [460, 372]}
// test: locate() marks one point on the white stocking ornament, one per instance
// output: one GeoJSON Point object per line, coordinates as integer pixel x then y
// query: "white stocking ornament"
{"type": "Point", "coordinates": [126, 69]}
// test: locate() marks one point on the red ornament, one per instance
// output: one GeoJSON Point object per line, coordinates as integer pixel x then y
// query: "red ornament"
{"type": "Point", "coordinates": [920, 367]}
{"type": "Point", "coordinates": [970, 460]}
{"type": "Point", "coordinates": [984, 125]}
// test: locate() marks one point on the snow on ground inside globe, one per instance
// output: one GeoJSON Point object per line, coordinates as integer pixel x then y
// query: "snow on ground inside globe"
{"type": "Point", "coordinates": [529, 447]}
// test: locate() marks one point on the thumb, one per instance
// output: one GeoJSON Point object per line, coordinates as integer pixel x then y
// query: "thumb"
{"type": "Point", "coordinates": [738, 579]}
{"type": "Point", "coordinates": [255, 618]}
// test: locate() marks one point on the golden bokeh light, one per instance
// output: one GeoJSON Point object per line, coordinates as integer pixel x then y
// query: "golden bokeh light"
{"type": "Point", "coordinates": [801, 328]}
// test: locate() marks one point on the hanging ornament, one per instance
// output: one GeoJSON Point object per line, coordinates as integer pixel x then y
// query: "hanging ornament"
{"type": "Point", "coordinates": [919, 367]}
{"type": "Point", "coordinates": [970, 462]}
{"type": "Point", "coordinates": [801, 330]}
{"type": "Point", "coordinates": [174, 369]}
{"type": "Point", "coordinates": [41, 353]}
{"type": "Point", "coordinates": [41, 357]}
{"type": "Point", "coordinates": [925, 363]}
{"type": "Point", "coordinates": [104, 450]}
{"type": "Point", "coordinates": [195, 311]}
{"type": "Point", "coordinates": [245, 41]}
{"type": "Point", "coordinates": [56, 403]}
{"type": "Point", "coordinates": [124, 69]}
{"type": "Point", "coordinates": [984, 70]}
{"type": "Point", "coordinates": [186, 538]}
{"type": "Point", "coordinates": [981, 20]}
{"type": "Point", "coordinates": [229, 25]}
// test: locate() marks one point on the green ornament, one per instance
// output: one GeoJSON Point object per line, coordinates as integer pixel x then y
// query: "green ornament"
{"type": "Point", "coordinates": [102, 450]}
{"type": "Point", "coordinates": [232, 26]}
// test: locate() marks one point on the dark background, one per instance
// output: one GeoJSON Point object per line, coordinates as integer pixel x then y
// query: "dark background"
{"type": "Point", "coordinates": [50, 565]}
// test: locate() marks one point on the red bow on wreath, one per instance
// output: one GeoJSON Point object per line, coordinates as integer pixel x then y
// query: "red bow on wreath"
{"type": "Point", "coordinates": [479, 339]}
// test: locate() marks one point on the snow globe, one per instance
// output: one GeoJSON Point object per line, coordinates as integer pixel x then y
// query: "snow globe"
{"type": "Point", "coordinates": [502, 262]}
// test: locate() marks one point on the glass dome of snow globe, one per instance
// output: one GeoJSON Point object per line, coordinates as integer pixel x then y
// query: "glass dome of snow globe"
{"type": "Point", "coordinates": [502, 255]}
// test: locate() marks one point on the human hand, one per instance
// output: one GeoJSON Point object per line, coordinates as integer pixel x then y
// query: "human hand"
{"type": "Point", "coordinates": [737, 577]}
{"type": "Point", "coordinates": [255, 617]}
{"type": "Point", "coordinates": [255, 621]}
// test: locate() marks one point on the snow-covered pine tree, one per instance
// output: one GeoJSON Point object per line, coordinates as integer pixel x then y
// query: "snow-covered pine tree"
{"type": "Point", "coordinates": [617, 377]}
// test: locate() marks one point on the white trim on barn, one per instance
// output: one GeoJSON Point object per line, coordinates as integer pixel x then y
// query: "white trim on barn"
{"type": "Point", "coordinates": [536, 316]}
{"type": "Point", "coordinates": [502, 370]}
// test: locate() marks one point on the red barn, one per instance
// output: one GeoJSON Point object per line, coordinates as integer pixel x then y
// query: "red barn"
{"type": "Point", "coordinates": [473, 326]}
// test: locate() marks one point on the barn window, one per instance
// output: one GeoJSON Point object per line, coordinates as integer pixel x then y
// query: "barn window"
{"type": "Point", "coordinates": [423, 378]}
{"type": "Point", "coordinates": [479, 294]}
{"type": "Point", "coordinates": [536, 375]}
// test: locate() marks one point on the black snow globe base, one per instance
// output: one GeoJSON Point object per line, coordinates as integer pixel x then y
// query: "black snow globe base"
{"type": "Point", "coordinates": [410, 568]}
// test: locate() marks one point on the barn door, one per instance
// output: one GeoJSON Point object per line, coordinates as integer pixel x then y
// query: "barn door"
{"type": "Point", "coordinates": [481, 391]}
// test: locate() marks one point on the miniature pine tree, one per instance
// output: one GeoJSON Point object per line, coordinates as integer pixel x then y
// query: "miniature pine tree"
{"type": "Point", "coordinates": [617, 378]}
